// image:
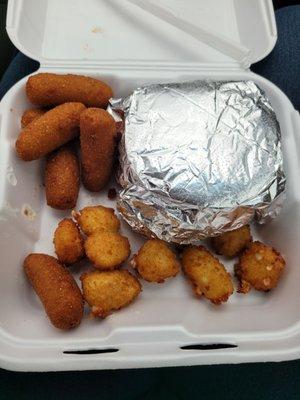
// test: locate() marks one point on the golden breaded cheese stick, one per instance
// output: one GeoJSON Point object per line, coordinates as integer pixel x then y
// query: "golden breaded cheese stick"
{"type": "Point", "coordinates": [46, 89]}
{"type": "Point", "coordinates": [68, 242]}
{"type": "Point", "coordinates": [97, 141]}
{"type": "Point", "coordinates": [62, 179]}
{"type": "Point", "coordinates": [30, 115]}
{"type": "Point", "coordinates": [57, 290]}
{"type": "Point", "coordinates": [53, 129]}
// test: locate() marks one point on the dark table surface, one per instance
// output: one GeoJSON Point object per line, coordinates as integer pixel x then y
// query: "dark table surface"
{"type": "Point", "coordinates": [274, 381]}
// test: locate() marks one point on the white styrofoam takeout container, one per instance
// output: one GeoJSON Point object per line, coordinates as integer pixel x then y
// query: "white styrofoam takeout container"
{"type": "Point", "coordinates": [116, 41]}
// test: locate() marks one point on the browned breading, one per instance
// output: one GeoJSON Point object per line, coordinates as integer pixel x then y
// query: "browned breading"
{"type": "Point", "coordinates": [50, 131]}
{"type": "Point", "coordinates": [62, 179]}
{"type": "Point", "coordinates": [97, 143]}
{"type": "Point", "coordinates": [207, 275]}
{"type": "Point", "coordinates": [107, 250]}
{"type": "Point", "coordinates": [97, 218]}
{"type": "Point", "coordinates": [47, 89]}
{"type": "Point", "coordinates": [230, 244]}
{"type": "Point", "coordinates": [57, 290]}
{"type": "Point", "coordinates": [30, 115]}
{"type": "Point", "coordinates": [107, 291]}
{"type": "Point", "coordinates": [260, 267]}
{"type": "Point", "coordinates": [68, 242]}
{"type": "Point", "coordinates": [155, 261]}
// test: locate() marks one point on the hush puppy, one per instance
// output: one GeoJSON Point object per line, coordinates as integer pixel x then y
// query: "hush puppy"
{"type": "Point", "coordinates": [231, 243]}
{"type": "Point", "coordinates": [68, 242]}
{"type": "Point", "coordinates": [107, 250]}
{"type": "Point", "coordinates": [94, 218]}
{"type": "Point", "coordinates": [57, 290]}
{"type": "Point", "coordinates": [62, 179]}
{"type": "Point", "coordinates": [260, 267]}
{"type": "Point", "coordinates": [97, 144]}
{"type": "Point", "coordinates": [50, 131]}
{"type": "Point", "coordinates": [206, 274]}
{"type": "Point", "coordinates": [109, 291]}
{"type": "Point", "coordinates": [47, 89]}
{"type": "Point", "coordinates": [155, 261]}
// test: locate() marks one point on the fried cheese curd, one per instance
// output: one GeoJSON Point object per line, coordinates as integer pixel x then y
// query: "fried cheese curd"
{"type": "Point", "coordinates": [107, 250]}
{"type": "Point", "coordinates": [155, 261]}
{"type": "Point", "coordinates": [97, 218]}
{"type": "Point", "coordinates": [206, 274]}
{"type": "Point", "coordinates": [260, 267]}
{"type": "Point", "coordinates": [68, 242]}
{"type": "Point", "coordinates": [230, 244]}
{"type": "Point", "coordinates": [107, 291]}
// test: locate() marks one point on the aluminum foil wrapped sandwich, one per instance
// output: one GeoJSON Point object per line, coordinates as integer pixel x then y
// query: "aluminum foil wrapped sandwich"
{"type": "Point", "coordinates": [198, 159]}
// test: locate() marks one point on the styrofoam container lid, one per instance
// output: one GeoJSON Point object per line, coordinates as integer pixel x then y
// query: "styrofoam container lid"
{"type": "Point", "coordinates": [118, 42]}
{"type": "Point", "coordinates": [117, 32]}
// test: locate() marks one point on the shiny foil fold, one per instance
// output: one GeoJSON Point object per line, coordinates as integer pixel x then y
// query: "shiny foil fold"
{"type": "Point", "coordinates": [198, 159]}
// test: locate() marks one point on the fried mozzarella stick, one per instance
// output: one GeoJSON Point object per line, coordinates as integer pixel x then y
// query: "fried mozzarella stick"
{"type": "Point", "coordinates": [97, 142]}
{"type": "Point", "coordinates": [53, 129]}
{"type": "Point", "coordinates": [30, 115]}
{"type": "Point", "coordinates": [46, 89]}
{"type": "Point", "coordinates": [62, 179]}
{"type": "Point", "coordinates": [57, 290]}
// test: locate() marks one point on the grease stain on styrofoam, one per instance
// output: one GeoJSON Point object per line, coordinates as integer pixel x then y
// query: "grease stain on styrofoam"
{"type": "Point", "coordinates": [97, 29]}
{"type": "Point", "coordinates": [10, 176]}
{"type": "Point", "coordinates": [28, 212]}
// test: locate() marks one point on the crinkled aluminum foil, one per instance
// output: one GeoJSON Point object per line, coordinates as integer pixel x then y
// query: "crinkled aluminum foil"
{"type": "Point", "coordinates": [198, 159]}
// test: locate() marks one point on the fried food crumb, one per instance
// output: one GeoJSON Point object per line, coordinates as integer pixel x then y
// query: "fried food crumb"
{"type": "Point", "coordinates": [118, 136]}
{"type": "Point", "coordinates": [97, 29]}
{"type": "Point", "coordinates": [112, 194]}
{"type": "Point", "coordinates": [28, 212]}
